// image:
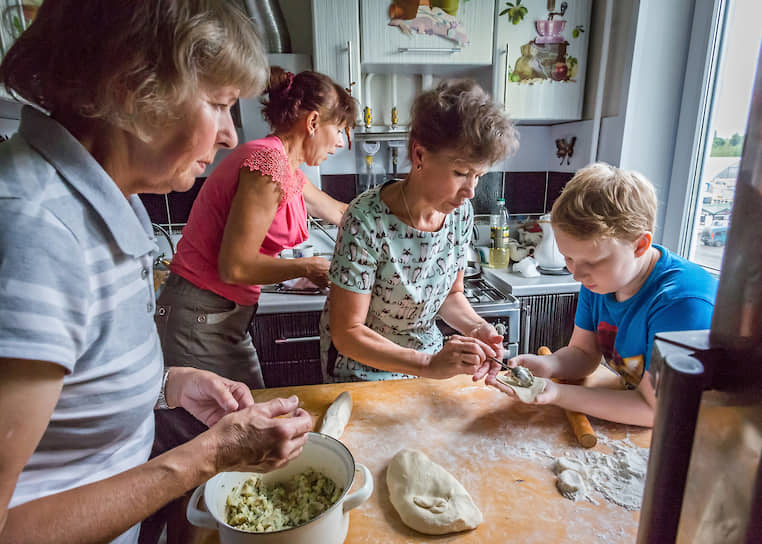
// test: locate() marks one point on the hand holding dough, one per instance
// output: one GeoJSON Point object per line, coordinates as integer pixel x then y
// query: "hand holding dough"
{"type": "Point", "coordinates": [427, 497]}
{"type": "Point", "coordinates": [525, 394]}
{"type": "Point", "coordinates": [337, 415]}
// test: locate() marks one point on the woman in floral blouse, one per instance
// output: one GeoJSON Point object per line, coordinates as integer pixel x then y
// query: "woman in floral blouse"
{"type": "Point", "coordinates": [400, 257]}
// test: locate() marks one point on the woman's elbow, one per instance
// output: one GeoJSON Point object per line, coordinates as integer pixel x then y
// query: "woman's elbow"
{"type": "Point", "coordinates": [339, 339]}
{"type": "Point", "coordinates": [229, 272]}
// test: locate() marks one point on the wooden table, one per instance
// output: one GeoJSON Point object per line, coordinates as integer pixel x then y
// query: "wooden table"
{"type": "Point", "coordinates": [500, 450]}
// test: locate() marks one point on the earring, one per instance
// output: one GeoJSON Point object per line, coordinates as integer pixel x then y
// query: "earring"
{"type": "Point", "coordinates": [312, 134]}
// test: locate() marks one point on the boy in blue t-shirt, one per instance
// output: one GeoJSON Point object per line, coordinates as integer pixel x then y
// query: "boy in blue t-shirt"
{"type": "Point", "coordinates": [631, 290]}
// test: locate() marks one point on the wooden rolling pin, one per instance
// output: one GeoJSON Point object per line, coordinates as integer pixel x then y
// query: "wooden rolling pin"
{"type": "Point", "coordinates": [579, 422]}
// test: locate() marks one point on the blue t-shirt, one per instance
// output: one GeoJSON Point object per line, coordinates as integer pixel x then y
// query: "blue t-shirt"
{"type": "Point", "coordinates": [677, 295]}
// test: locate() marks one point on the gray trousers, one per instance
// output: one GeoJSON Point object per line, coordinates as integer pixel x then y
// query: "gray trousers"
{"type": "Point", "coordinates": [201, 329]}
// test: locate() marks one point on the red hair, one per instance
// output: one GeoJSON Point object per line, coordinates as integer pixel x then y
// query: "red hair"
{"type": "Point", "coordinates": [291, 96]}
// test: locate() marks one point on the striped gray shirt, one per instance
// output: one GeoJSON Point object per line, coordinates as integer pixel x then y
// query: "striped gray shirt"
{"type": "Point", "coordinates": [76, 289]}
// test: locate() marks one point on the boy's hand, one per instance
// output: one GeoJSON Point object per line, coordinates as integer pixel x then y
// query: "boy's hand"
{"type": "Point", "coordinates": [540, 365]}
{"type": "Point", "coordinates": [548, 396]}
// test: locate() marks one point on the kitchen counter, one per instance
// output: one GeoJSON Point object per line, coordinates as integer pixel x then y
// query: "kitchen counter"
{"type": "Point", "coordinates": [276, 303]}
{"type": "Point", "coordinates": [523, 286]}
{"type": "Point", "coordinates": [516, 284]}
{"type": "Point", "coordinates": [499, 449]}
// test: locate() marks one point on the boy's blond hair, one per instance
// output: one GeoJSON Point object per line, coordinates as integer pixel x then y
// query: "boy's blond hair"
{"type": "Point", "coordinates": [602, 201]}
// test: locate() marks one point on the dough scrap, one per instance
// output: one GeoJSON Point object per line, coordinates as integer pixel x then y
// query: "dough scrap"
{"type": "Point", "coordinates": [337, 415]}
{"type": "Point", "coordinates": [569, 463]}
{"type": "Point", "coordinates": [525, 394]}
{"type": "Point", "coordinates": [571, 484]}
{"type": "Point", "coordinates": [427, 497]}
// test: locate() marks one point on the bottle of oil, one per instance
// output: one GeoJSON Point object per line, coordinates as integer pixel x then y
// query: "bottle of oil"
{"type": "Point", "coordinates": [499, 252]}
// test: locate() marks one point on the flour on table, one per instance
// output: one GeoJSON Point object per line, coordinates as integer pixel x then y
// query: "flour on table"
{"type": "Point", "coordinates": [569, 463]}
{"type": "Point", "coordinates": [620, 476]}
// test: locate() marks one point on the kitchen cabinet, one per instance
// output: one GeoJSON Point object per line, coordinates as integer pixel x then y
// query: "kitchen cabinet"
{"type": "Point", "coordinates": [430, 35]}
{"type": "Point", "coordinates": [288, 346]}
{"type": "Point", "coordinates": [14, 16]}
{"type": "Point", "coordinates": [336, 42]}
{"type": "Point", "coordinates": [541, 59]}
{"type": "Point", "coordinates": [547, 320]}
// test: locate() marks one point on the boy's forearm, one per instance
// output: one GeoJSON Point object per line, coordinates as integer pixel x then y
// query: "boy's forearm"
{"type": "Point", "coordinates": [572, 363]}
{"type": "Point", "coordinates": [610, 404]}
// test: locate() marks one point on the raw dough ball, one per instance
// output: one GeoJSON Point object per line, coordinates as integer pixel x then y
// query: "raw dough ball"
{"type": "Point", "coordinates": [337, 415]}
{"type": "Point", "coordinates": [525, 394]}
{"type": "Point", "coordinates": [571, 484]}
{"type": "Point", "coordinates": [427, 497]}
{"type": "Point", "coordinates": [569, 463]}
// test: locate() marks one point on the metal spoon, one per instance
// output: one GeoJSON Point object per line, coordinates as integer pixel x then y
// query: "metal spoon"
{"type": "Point", "coordinates": [521, 373]}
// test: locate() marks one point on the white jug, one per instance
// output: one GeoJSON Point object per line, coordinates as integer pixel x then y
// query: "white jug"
{"type": "Point", "coordinates": [546, 254]}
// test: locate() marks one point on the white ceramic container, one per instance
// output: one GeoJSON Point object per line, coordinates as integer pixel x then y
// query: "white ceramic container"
{"type": "Point", "coordinates": [322, 453]}
{"type": "Point", "coordinates": [546, 254]}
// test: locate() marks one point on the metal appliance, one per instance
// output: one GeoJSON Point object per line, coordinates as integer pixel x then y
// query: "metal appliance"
{"type": "Point", "coordinates": [270, 24]}
{"type": "Point", "coordinates": [704, 482]}
{"type": "Point", "coordinates": [503, 310]}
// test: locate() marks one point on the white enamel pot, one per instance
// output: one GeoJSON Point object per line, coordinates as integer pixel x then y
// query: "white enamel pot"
{"type": "Point", "coordinates": [322, 453]}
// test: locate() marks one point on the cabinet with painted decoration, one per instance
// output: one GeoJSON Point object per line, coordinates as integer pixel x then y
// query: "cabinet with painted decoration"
{"type": "Point", "coordinates": [434, 32]}
{"type": "Point", "coordinates": [541, 58]}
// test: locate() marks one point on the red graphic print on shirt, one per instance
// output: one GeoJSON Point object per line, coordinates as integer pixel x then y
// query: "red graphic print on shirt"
{"type": "Point", "coordinates": [629, 368]}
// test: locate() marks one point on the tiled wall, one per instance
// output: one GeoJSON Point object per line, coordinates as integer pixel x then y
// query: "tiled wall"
{"type": "Point", "coordinates": [171, 209]}
{"type": "Point", "coordinates": [525, 193]}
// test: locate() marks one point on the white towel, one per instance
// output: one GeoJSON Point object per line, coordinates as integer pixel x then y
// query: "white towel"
{"type": "Point", "coordinates": [299, 283]}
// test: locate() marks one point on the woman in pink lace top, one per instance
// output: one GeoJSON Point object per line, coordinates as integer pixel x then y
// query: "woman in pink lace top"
{"type": "Point", "coordinates": [251, 207]}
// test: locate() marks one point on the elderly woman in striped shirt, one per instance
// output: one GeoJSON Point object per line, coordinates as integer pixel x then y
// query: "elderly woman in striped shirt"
{"type": "Point", "coordinates": [137, 98]}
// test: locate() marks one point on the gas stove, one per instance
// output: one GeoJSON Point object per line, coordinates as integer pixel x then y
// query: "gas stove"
{"type": "Point", "coordinates": [484, 296]}
{"type": "Point", "coordinates": [501, 309]}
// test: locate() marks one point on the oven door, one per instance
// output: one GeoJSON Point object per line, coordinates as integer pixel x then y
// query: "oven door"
{"type": "Point", "coordinates": [505, 321]}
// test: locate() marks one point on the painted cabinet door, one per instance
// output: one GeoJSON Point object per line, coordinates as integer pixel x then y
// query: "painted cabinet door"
{"type": "Point", "coordinates": [336, 42]}
{"type": "Point", "coordinates": [541, 58]}
{"type": "Point", "coordinates": [15, 16]}
{"type": "Point", "coordinates": [448, 32]}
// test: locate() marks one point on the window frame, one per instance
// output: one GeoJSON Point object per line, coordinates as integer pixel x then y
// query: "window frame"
{"type": "Point", "coordinates": [695, 118]}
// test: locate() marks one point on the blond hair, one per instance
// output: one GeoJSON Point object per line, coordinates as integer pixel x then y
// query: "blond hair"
{"type": "Point", "coordinates": [133, 64]}
{"type": "Point", "coordinates": [602, 201]}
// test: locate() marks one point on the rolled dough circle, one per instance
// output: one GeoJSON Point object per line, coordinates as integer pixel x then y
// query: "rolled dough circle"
{"type": "Point", "coordinates": [427, 497]}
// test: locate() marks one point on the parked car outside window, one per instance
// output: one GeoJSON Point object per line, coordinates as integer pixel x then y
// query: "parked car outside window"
{"type": "Point", "coordinates": [714, 236]}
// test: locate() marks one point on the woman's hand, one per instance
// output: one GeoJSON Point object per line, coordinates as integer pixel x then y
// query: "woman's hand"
{"type": "Point", "coordinates": [261, 437]}
{"type": "Point", "coordinates": [485, 332]}
{"type": "Point", "coordinates": [207, 396]}
{"type": "Point", "coordinates": [316, 270]}
{"type": "Point", "coordinates": [462, 355]}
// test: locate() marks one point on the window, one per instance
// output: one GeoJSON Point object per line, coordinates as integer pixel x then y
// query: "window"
{"type": "Point", "coordinates": [730, 61]}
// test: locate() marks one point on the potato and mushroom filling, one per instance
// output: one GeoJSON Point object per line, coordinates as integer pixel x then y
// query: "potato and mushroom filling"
{"type": "Point", "coordinates": [257, 507]}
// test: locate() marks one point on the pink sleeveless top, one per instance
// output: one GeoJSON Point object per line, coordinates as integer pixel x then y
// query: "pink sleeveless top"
{"type": "Point", "coordinates": [198, 250]}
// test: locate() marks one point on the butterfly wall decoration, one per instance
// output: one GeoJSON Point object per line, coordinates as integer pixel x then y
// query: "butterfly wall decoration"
{"type": "Point", "coordinates": [564, 149]}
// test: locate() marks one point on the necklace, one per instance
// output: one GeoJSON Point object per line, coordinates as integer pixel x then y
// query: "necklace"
{"type": "Point", "coordinates": [404, 201]}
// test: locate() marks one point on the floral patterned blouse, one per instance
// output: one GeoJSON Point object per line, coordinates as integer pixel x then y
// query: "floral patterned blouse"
{"type": "Point", "coordinates": [409, 274]}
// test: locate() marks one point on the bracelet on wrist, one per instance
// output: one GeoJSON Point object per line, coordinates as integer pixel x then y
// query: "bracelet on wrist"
{"type": "Point", "coordinates": [161, 402]}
